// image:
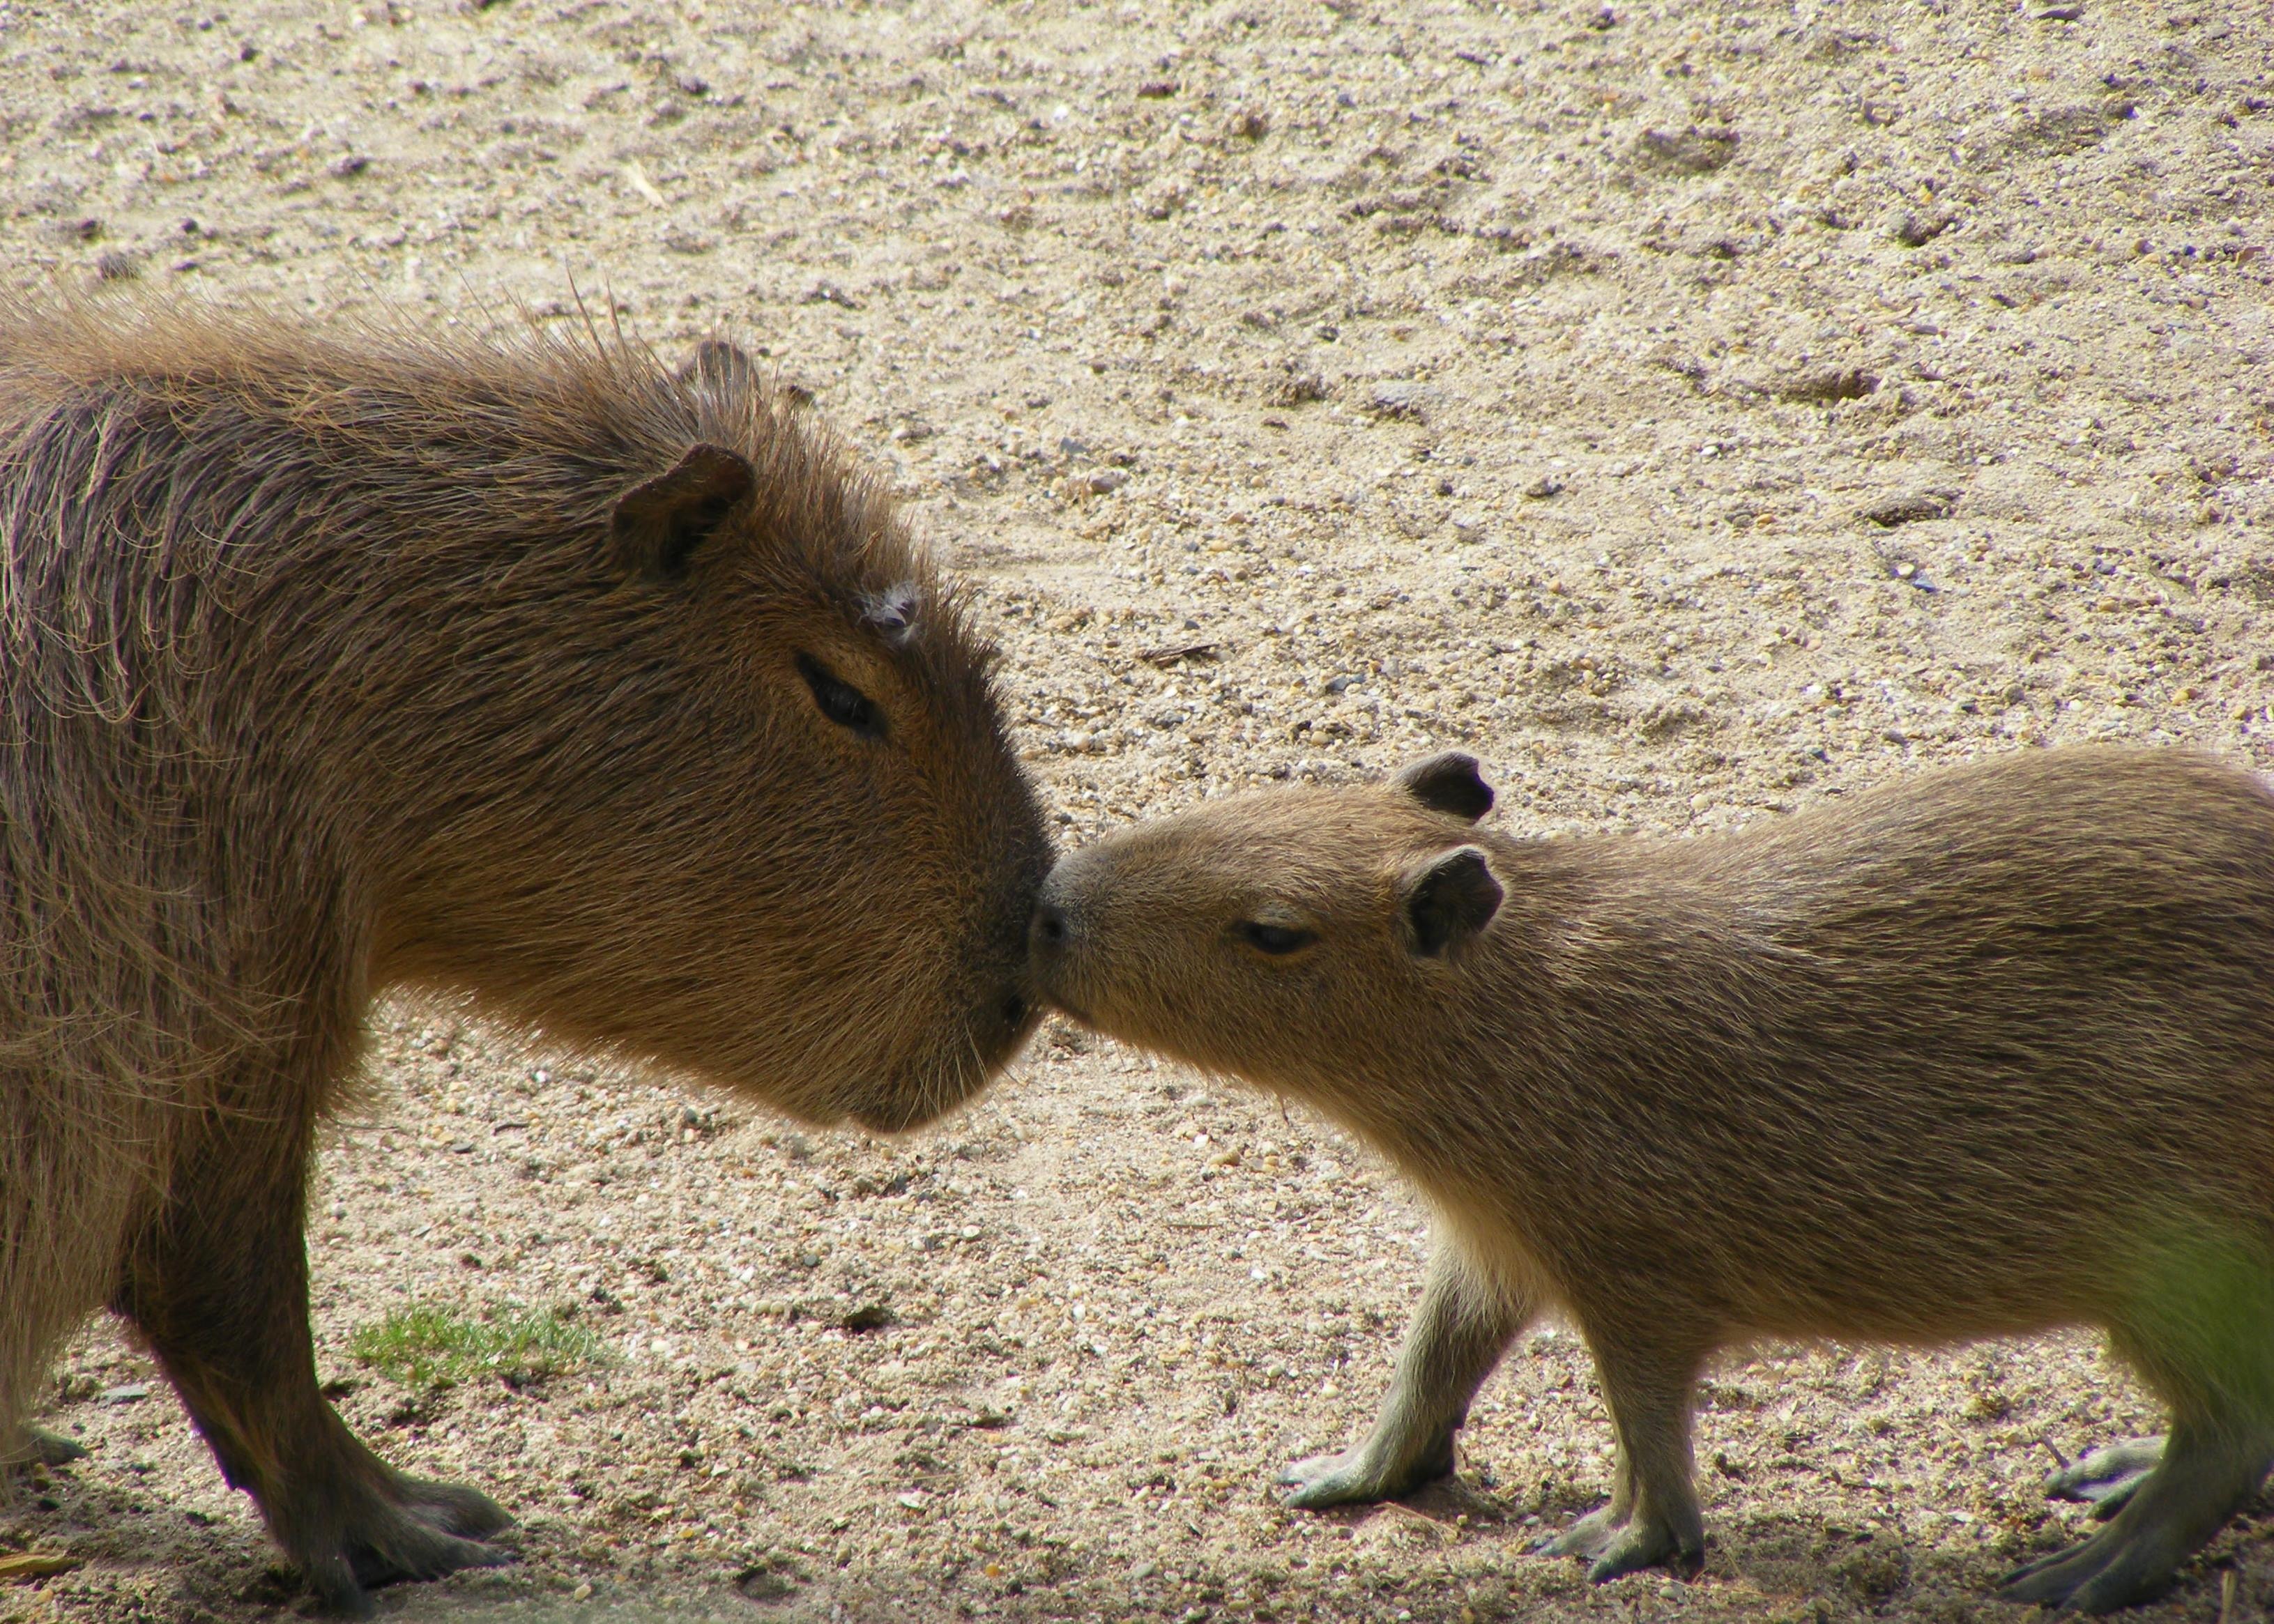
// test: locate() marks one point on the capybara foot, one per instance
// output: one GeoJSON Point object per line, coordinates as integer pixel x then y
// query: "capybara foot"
{"type": "Point", "coordinates": [1590, 1537]}
{"type": "Point", "coordinates": [1617, 1543]}
{"type": "Point", "coordinates": [1359, 1475]}
{"type": "Point", "coordinates": [2106, 1477]}
{"type": "Point", "coordinates": [2171, 1512]}
{"type": "Point", "coordinates": [416, 1530]}
{"type": "Point", "coordinates": [2114, 1568]}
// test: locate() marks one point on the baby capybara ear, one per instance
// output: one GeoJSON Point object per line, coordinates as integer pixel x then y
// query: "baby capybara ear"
{"type": "Point", "coordinates": [658, 526]}
{"type": "Point", "coordinates": [1450, 783]}
{"type": "Point", "coordinates": [1449, 899]}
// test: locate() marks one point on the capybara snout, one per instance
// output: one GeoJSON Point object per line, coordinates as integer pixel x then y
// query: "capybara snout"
{"type": "Point", "coordinates": [781, 840]}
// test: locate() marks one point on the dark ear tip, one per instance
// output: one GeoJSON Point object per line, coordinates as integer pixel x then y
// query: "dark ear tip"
{"type": "Point", "coordinates": [1452, 782]}
{"type": "Point", "coordinates": [1451, 899]}
{"type": "Point", "coordinates": [719, 361]}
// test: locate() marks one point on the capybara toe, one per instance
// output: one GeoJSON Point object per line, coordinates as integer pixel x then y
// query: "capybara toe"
{"type": "Point", "coordinates": [1323, 1480]}
{"type": "Point", "coordinates": [1644, 1544]}
{"type": "Point", "coordinates": [409, 1549]}
{"type": "Point", "coordinates": [2115, 1568]}
{"type": "Point", "coordinates": [412, 1529]}
{"type": "Point", "coordinates": [2105, 1479]}
{"type": "Point", "coordinates": [452, 1508]}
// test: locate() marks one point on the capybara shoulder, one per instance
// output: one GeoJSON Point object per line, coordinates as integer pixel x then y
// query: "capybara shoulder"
{"type": "Point", "coordinates": [1984, 1051]}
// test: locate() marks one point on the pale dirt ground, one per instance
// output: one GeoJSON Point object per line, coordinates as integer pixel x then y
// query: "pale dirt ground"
{"type": "Point", "coordinates": [1510, 377]}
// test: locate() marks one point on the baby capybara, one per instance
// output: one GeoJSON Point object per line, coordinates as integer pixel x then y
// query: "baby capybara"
{"type": "Point", "coordinates": [1977, 1053]}
{"type": "Point", "coordinates": [611, 699]}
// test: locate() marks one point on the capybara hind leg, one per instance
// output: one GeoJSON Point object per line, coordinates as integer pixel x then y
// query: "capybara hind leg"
{"type": "Point", "coordinates": [1462, 1327]}
{"type": "Point", "coordinates": [2204, 1337]}
{"type": "Point", "coordinates": [219, 1288]}
{"type": "Point", "coordinates": [2105, 1479]}
{"type": "Point", "coordinates": [1652, 1519]}
{"type": "Point", "coordinates": [2203, 1480]}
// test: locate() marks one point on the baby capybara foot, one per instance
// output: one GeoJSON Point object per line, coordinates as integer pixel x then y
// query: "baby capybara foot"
{"type": "Point", "coordinates": [1361, 1475]}
{"type": "Point", "coordinates": [405, 1529]}
{"type": "Point", "coordinates": [2171, 1512]}
{"type": "Point", "coordinates": [1618, 1543]}
{"type": "Point", "coordinates": [2105, 1479]}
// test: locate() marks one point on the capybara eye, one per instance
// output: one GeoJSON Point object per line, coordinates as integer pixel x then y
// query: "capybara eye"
{"type": "Point", "coordinates": [1275, 939]}
{"type": "Point", "coordinates": [840, 700]}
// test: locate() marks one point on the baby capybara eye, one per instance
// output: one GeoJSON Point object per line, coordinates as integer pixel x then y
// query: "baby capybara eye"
{"type": "Point", "coordinates": [840, 700]}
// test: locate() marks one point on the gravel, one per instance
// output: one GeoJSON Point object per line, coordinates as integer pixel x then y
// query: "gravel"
{"type": "Point", "coordinates": [1697, 409]}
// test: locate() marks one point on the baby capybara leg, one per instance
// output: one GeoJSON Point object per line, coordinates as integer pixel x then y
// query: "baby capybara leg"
{"type": "Point", "coordinates": [1462, 1328]}
{"type": "Point", "coordinates": [1648, 1384]}
{"type": "Point", "coordinates": [2204, 1337]}
{"type": "Point", "coordinates": [2204, 1478]}
{"type": "Point", "coordinates": [218, 1286]}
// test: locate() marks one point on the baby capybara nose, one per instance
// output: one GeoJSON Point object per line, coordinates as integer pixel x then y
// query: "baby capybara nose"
{"type": "Point", "coordinates": [1046, 937]}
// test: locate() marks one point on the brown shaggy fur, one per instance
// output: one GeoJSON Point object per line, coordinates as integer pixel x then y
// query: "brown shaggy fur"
{"type": "Point", "coordinates": [1980, 1053]}
{"type": "Point", "coordinates": [610, 698]}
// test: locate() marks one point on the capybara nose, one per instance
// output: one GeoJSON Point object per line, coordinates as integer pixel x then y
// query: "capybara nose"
{"type": "Point", "coordinates": [1047, 936]}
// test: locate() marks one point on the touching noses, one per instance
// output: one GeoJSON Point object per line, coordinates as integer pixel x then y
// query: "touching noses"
{"type": "Point", "coordinates": [1046, 936]}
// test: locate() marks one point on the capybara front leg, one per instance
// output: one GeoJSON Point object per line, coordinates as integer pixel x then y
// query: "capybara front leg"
{"type": "Point", "coordinates": [1463, 1326]}
{"type": "Point", "coordinates": [1652, 1518]}
{"type": "Point", "coordinates": [218, 1285]}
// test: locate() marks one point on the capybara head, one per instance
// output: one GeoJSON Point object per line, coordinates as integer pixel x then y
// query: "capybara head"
{"type": "Point", "coordinates": [1262, 935]}
{"type": "Point", "coordinates": [768, 825]}
{"type": "Point", "coordinates": [619, 697]}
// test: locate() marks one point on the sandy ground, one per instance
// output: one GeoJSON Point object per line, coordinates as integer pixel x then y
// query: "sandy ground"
{"type": "Point", "coordinates": [1695, 409]}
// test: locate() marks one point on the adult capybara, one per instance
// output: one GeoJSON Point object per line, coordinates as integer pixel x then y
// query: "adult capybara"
{"type": "Point", "coordinates": [1981, 1053]}
{"type": "Point", "coordinates": [612, 699]}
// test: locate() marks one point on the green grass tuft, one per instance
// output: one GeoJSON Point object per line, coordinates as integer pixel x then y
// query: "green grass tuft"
{"type": "Point", "coordinates": [427, 1346]}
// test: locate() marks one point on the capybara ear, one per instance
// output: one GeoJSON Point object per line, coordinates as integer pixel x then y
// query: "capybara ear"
{"type": "Point", "coordinates": [657, 526]}
{"type": "Point", "coordinates": [1449, 899]}
{"type": "Point", "coordinates": [1450, 783]}
{"type": "Point", "coordinates": [721, 365]}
